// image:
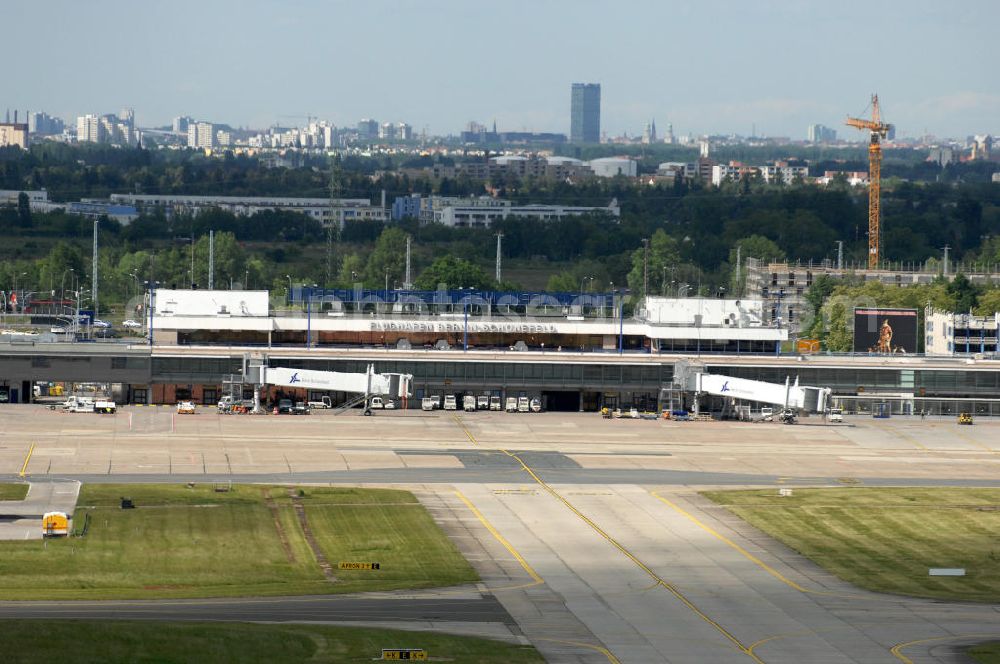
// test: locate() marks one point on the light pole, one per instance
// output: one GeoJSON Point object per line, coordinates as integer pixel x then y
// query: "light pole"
{"type": "Point", "coordinates": [135, 277]}
{"type": "Point", "coordinates": [308, 293]}
{"type": "Point", "coordinates": [612, 284]}
{"type": "Point", "coordinates": [62, 288]}
{"type": "Point", "coordinates": [289, 296]}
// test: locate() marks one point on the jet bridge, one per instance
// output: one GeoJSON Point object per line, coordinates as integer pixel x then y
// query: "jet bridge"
{"type": "Point", "coordinates": [789, 396]}
{"type": "Point", "coordinates": [394, 385]}
{"type": "Point", "coordinates": [693, 380]}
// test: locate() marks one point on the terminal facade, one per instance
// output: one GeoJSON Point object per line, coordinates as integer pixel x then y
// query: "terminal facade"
{"type": "Point", "coordinates": [572, 351]}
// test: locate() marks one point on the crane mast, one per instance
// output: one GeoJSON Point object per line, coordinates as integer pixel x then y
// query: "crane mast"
{"type": "Point", "coordinates": [877, 130]}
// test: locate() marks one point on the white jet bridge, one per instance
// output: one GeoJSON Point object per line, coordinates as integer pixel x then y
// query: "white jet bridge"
{"type": "Point", "coordinates": [365, 385]}
{"type": "Point", "coordinates": [790, 396]}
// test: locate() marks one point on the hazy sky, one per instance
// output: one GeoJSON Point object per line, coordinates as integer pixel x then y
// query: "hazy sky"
{"type": "Point", "coordinates": [705, 66]}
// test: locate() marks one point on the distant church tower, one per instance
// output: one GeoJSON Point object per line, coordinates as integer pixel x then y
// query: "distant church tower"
{"type": "Point", "coordinates": [649, 133]}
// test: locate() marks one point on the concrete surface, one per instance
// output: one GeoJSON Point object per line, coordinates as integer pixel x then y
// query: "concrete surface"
{"type": "Point", "coordinates": [588, 532]}
{"type": "Point", "coordinates": [22, 519]}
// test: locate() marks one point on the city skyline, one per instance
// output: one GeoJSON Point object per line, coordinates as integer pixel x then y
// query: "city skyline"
{"type": "Point", "coordinates": [770, 69]}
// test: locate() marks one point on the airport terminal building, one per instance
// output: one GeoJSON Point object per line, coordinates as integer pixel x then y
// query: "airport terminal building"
{"type": "Point", "coordinates": [572, 351]}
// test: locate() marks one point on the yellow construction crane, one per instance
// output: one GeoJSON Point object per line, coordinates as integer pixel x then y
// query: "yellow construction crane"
{"type": "Point", "coordinates": [877, 131]}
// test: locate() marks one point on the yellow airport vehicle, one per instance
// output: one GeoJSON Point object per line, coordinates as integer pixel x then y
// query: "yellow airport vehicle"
{"type": "Point", "coordinates": [965, 418]}
{"type": "Point", "coordinates": [55, 524]}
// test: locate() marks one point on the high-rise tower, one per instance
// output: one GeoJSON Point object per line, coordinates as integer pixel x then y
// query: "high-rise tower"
{"type": "Point", "coordinates": [585, 113]}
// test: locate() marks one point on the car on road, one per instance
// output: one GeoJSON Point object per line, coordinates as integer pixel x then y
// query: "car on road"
{"type": "Point", "coordinates": [185, 408]}
{"type": "Point", "coordinates": [131, 324]}
{"type": "Point", "coordinates": [300, 408]}
{"type": "Point", "coordinates": [103, 324]}
{"type": "Point", "coordinates": [285, 406]}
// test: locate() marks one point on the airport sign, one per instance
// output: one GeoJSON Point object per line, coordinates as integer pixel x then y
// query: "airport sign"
{"type": "Point", "coordinates": [349, 565]}
{"type": "Point", "coordinates": [404, 653]}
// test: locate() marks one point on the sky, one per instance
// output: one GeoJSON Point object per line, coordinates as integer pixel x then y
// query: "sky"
{"type": "Point", "coordinates": [719, 67]}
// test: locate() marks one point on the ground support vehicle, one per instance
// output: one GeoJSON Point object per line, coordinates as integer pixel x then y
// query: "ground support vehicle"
{"type": "Point", "coordinates": [483, 402]}
{"type": "Point", "coordinates": [965, 418]}
{"type": "Point", "coordinates": [495, 403]}
{"type": "Point", "coordinates": [185, 408]}
{"type": "Point", "coordinates": [450, 403]}
{"type": "Point", "coordinates": [523, 405]}
{"type": "Point", "coordinates": [511, 405]}
{"type": "Point", "coordinates": [469, 403]}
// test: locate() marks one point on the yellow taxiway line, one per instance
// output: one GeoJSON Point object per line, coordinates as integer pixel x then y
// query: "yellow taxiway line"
{"type": "Point", "coordinates": [24, 468]}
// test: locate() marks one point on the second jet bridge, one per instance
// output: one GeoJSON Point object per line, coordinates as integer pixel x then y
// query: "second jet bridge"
{"type": "Point", "coordinates": [790, 395]}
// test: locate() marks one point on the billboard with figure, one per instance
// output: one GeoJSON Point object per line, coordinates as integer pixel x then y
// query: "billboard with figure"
{"type": "Point", "coordinates": [885, 331]}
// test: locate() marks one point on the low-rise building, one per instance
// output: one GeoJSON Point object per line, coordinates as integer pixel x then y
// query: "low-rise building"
{"type": "Point", "coordinates": [481, 216]}
{"type": "Point", "coordinates": [948, 333]}
{"type": "Point", "coordinates": [733, 171]}
{"type": "Point", "coordinates": [11, 196]}
{"type": "Point", "coordinates": [781, 171]}
{"type": "Point", "coordinates": [324, 210]}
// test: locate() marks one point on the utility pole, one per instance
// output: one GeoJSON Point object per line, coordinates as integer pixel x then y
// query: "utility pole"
{"type": "Point", "coordinates": [645, 267]}
{"type": "Point", "coordinates": [840, 254]}
{"type": "Point", "coordinates": [737, 275]}
{"type": "Point", "coordinates": [407, 285]}
{"type": "Point", "coordinates": [499, 255]}
{"type": "Point", "coordinates": [211, 260]}
{"type": "Point", "coordinates": [93, 276]}
{"type": "Point", "coordinates": [336, 189]}
{"type": "Point", "coordinates": [944, 269]}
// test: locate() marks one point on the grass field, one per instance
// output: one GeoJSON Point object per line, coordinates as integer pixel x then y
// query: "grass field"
{"type": "Point", "coordinates": [13, 491]}
{"type": "Point", "coordinates": [987, 653]}
{"type": "Point", "coordinates": [75, 642]}
{"type": "Point", "coordinates": [887, 539]}
{"type": "Point", "coordinates": [194, 542]}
